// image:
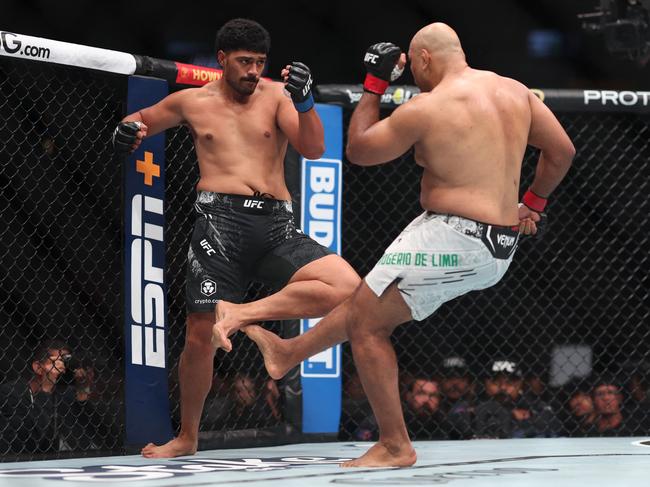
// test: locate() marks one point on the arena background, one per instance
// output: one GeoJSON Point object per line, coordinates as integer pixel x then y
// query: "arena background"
{"type": "Point", "coordinates": [540, 43]}
{"type": "Point", "coordinates": [587, 294]}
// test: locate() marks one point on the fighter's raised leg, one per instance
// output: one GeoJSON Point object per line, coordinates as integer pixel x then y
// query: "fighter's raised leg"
{"type": "Point", "coordinates": [312, 291]}
{"type": "Point", "coordinates": [282, 355]}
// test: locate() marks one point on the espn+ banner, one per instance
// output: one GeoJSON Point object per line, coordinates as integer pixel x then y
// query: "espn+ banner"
{"type": "Point", "coordinates": [145, 306]}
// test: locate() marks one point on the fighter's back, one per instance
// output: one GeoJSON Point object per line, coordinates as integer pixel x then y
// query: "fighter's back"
{"type": "Point", "coordinates": [476, 127]}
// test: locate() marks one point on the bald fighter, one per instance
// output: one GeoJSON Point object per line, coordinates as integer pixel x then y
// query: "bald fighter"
{"type": "Point", "coordinates": [244, 229]}
{"type": "Point", "coordinates": [469, 129]}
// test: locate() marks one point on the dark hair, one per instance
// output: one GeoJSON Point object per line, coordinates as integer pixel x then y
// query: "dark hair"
{"type": "Point", "coordinates": [243, 34]}
{"type": "Point", "coordinates": [606, 379]}
{"type": "Point", "coordinates": [42, 352]}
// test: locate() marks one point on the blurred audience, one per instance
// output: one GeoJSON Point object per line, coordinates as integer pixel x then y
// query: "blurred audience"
{"type": "Point", "coordinates": [242, 403]}
{"type": "Point", "coordinates": [508, 412]}
{"type": "Point", "coordinates": [457, 402]}
{"type": "Point", "coordinates": [535, 381]}
{"type": "Point", "coordinates": [355, 408]}
{"type": "Point", "coordinates": [422, 415]}
{"type": "Point", "coordinates": [611, 419]}
{"type": "Point", "coordinates": [40, 414]}
{"type": "Point", "coordinates": [579, 408]}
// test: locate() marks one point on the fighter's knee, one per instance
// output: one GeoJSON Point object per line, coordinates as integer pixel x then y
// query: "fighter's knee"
{"type": "Point", "coordinates": [350, 283]}
{"type": "Point", "coordinates": [344, 287]}
{"type": "Point", "coordinates": [360, 333]}
{"type": "Point", "coordinates": [357, 325]}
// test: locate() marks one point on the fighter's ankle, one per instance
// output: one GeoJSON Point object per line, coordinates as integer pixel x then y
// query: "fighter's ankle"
{"type": "Point", "coordinates": [188, 437]}
{"type": "Point", "coordinates": [396, 446]}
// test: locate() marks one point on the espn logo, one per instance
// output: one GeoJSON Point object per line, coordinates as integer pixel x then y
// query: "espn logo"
{"type": "Point", "coordinates": [147, 294]}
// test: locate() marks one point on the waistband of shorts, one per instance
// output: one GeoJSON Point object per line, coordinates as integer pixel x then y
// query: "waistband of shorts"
{"type": "Point", "coordinates": [467, 226]}
{"type": "Point", "coordinates": [256, 203]}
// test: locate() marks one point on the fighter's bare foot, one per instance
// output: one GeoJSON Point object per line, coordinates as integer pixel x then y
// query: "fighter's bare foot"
{"type": "Point", "coordinates": [226, 324]}
{"type": "Point", "coordinates": [177, 447]}
{"type": "Point", "coordinates": [273, 348]}
{"type": "Point", "coordinates": [381, 455]}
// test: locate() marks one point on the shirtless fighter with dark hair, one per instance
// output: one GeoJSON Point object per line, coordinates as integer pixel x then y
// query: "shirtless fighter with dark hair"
{"type": "Point", "coordinates": [244, 229]}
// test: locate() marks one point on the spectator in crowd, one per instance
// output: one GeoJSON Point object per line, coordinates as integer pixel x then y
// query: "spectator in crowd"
{"type": "Point", "coordinates": [535, 380]}
{"type": "Point", "coordinates": [91, 421]}
{"type": "Point", "coordinates": [272, 398]}
{"type": "Point", "coordinates": [355, 408]}
{"type": "Point", "coordinates": [247, 406]}
{"type": "Point", "coordinates": [457, 402]}
{"type": "Point", "coordinates": [611, 419]}
{"type": "Point", "coordinates": [508, 412]}
{"type": "Point", "coordinates": [580, 409]}
{"type": "Point", "coordinates": [422, 414]}
{"type": "Point", "coordinates": [639, 393]}
{"type": "Point", "coordinates": [421, 405]}
{"type": "Point", "coordinates": [216, 405]}
{"type": "Point", "coordinates": [238, 403]}
{"type": "Point", "coordinates": [38, 416]}
{"type": "Point", "coordinates": [638, 385]}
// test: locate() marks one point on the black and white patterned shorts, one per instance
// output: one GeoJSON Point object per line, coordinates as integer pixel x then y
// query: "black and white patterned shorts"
{"type": "Point", "coordinates": [238, 239]}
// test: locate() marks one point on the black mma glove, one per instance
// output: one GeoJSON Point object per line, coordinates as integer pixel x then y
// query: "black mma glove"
{"type": "Point", "coordinates": [298, 85]}
{"type": "Point", "coordinates": [124, 136]}
{"type": "Point", "coordinates": [381, 63]}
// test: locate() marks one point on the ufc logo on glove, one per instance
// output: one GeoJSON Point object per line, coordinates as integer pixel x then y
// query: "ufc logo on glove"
{"type": "Point", "coordinates": [371, 58]}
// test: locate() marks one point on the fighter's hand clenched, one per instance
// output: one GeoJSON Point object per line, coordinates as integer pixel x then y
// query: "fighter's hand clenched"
{"type": "Point", "coordinates": [298, 82]}
{"type": "Point", "coordinates": [531, 222]}
{"type": "Point", "coordinates": [127, 136]}
{"type": "Point", "coordinates": [532, 219]}
{"type": "Point", "coordinates": [384, 62]}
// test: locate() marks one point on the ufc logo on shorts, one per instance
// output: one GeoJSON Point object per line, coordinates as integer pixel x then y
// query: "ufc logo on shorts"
{"type": "Point", "coordinates": [253, 204]}
{"type": "Point", "coordinates": [371, 58]}
{"type": "Point", "coordinates": [207, 247]}
{"type": "Point", "coordinates": [147, 295]}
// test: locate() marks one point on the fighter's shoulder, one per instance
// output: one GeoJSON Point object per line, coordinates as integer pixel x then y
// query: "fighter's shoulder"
{"type": "Point", "coordinates": [184, 96]}
{"type": "Point", "coordinates": [269, 87]}
{"type": "Point", "coordinates": [418, 102]}
{"type": "Point", "coordinates": [410, 113]}
{"type": "Point", "coordinates": [510, 84]}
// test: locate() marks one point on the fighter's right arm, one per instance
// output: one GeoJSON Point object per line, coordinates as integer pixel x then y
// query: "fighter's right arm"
{"type": "Point", "coordinates": [149, 121]}
{"type": "Point", "coordinates": [556, 148]}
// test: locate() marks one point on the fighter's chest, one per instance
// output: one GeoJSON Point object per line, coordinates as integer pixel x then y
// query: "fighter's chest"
{"type": "Point", "coordinates": [213, 122]}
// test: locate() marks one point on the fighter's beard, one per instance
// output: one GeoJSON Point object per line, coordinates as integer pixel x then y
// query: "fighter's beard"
{"type": "Point", "coordinates": [242, 89]}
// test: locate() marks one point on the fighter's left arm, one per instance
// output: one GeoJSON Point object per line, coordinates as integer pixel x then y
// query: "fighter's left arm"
{"type": "Point", "coordinates": [372, 141]}
{"type": "Point", "coordinates": [300, 121]}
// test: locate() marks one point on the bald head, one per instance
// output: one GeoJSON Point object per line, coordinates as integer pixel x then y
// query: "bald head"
{"type": "Point", "coordinates": [439, 40]}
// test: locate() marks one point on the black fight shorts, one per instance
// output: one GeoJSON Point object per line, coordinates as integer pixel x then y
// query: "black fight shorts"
{"type": "Point", "coordinates": [238, 239]}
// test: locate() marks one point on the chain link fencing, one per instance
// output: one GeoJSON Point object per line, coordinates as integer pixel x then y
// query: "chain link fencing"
{"type": "Point", "coordinates": [60, 261]}
{"type": "Point", "coordinates": [569, 320]}
{"type": "Point", "coordinates": [580, 292]}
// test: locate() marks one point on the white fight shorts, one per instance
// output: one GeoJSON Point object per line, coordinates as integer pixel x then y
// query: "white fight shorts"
{"type": "Point", "coordinates": [440, 257]}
